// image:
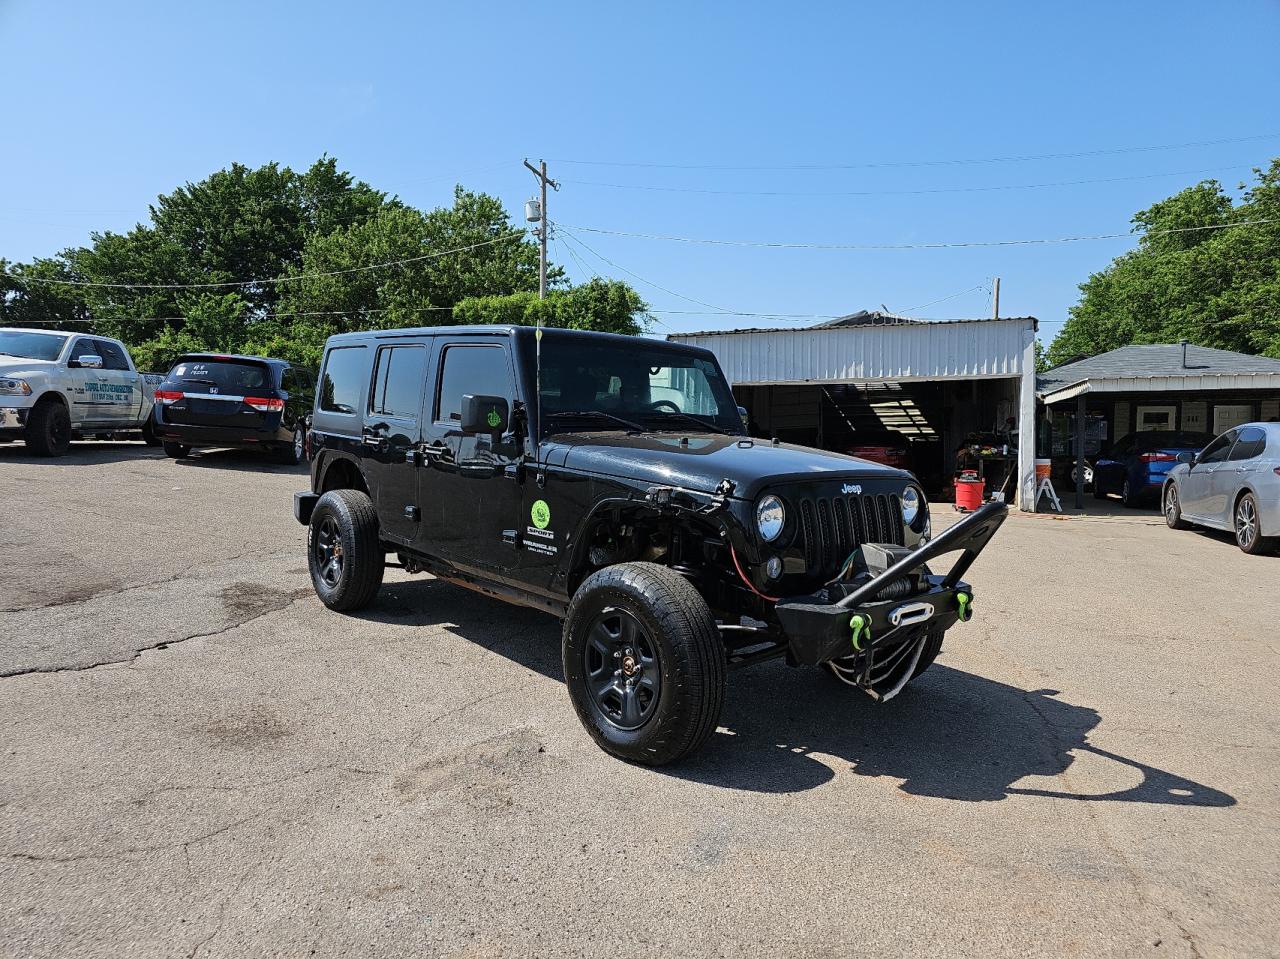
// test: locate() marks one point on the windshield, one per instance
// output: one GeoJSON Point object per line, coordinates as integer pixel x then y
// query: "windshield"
{"type": "Point", "coordinates": [632, 385]}
{"type": "Point", "coordinates": [225, 376]}
{"type": "Point", "coordinates": [31, 346]}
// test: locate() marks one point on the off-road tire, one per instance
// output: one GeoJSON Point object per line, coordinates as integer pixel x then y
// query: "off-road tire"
{"type": "Point", "coordinates": [48, 429]}
{"type": "Point", "coordinates": [149, 432]}
{"type": "Point", "coordinates": [1171, 506]}
{"type": "Point", "coordinates": [690, 654]}
{"type": "Point", "coordinates": [1259, 545]}
{"type": "Point", "coordinates": [176, 451]}
{"type": "Point", "coordinates": [349, 516]}
{"type": "Point", "coordinates": [932, 647]}
{"type": "Point", "coordinates": [293, 452]}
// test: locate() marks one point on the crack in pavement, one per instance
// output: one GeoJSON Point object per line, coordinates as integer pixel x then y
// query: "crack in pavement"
{"type": "Point", "coordinates": [288, 600]}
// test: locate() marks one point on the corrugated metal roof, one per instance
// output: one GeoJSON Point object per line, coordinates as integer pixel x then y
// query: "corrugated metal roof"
{"type": "Point", "coordinates": [1151, 361]}
{"type": "Point", "coordinates": [935, 350]}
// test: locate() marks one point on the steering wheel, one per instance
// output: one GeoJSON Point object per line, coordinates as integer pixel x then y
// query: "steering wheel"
{"type": "Point", "coordinates": [667, 403]}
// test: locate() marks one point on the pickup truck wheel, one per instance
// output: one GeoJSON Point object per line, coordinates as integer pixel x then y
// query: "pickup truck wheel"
{"type": "Point", "coordinates": [49, 429]}
{"type": "Point", "coordinates": [176, 451]}
{"type": "Point", "coordinates": [149, 432]}
{"type": "Point", "coordinates": [644, 663]}
{"type": "Point", "coordinates": [896, 659]}
{"type": "Point", "coordinates": [343, 553]}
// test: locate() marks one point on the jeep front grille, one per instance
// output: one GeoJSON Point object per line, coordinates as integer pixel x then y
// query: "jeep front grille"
{"type": "Point", "coordinates": [830, 529]}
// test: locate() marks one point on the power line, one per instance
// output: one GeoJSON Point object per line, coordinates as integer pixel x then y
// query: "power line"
{"type": "Point", "coordinates": [572, 238]}
{"type": "Point", "coordinates": [952, 296]}
{"type": "Point", "coordinates": [918, 163]}
{"type": "Point", "coordinates": [283, 279]}
{"type": "Point", "coordinates": [919, 246]}
{"type": "Point", "coordinates": [839, 193]}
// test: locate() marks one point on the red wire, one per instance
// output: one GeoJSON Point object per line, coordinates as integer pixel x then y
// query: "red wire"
{"type": "Point", "coordinates": [750, 585]}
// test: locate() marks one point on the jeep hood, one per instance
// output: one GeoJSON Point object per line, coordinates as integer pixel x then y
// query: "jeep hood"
{"type": "Point", "coordinates": [699, 461]}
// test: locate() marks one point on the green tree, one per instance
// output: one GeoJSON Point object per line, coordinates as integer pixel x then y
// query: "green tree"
{"type": "Point", "coordinates": [1218, 288]}
{"type": "Point", "coordinates": [610, 306]}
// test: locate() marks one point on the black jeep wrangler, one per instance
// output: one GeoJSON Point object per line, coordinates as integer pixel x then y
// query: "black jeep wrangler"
{"type": "Point", "coordinates": [608, 480]}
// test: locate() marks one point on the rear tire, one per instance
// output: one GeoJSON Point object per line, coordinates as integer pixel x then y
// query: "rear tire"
{"type": "Point", "coordinates": [669, 703]}
{"type": "Point", "coordinates": [149, 432]}
{"type": "Point", "coordinates": [176, 451]}
{"type": "Point", "coordinates": [1172, 507]}
{"type": "Point", "coordinates": [1248, 527]}
{"type": "Point", "coordinates": [1127, 496]}
{"type": "Point", "coordinates": [49, 429]}
{"type": "Point", "coordinates": [294, 452]}
{"type": "Point", "coordinates": [344, 557]}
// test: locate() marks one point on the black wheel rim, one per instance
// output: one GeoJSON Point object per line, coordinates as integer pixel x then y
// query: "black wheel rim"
{"type": "Point", "coordinates": [623, 674]}
{"type": "Point", "coordinates": [60, 431]}
{"type": "Point", "coordinates": [327, 552]}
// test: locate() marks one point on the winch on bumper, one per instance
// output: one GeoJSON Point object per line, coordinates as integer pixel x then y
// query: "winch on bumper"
{"type": "Point", "coordinates": [900, 596]}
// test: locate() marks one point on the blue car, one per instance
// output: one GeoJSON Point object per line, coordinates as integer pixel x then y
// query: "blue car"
{"type": "Point", "coordinates": [1135, 465]}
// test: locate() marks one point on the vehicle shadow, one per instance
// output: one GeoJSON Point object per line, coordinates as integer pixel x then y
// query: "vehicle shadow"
{"type": "Point", "coordinates": [82, 453]}
{"type": "Point", "coordinates": [950, 735]}
{"type": "Point", "coordinates": [245, 461]}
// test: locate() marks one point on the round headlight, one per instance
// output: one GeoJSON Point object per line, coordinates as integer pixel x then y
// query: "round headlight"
{"type": "Point", "coordinates": [770, 517]}
{"type": "Point", "coordinates": [910, 505]}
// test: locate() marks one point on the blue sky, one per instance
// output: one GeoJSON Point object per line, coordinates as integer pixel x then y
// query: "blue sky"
{"type": "Point", "coordinates": [107, 105]}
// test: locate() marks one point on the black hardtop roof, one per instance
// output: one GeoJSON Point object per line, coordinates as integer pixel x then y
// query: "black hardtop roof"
{"type": "Point", "coordinates": [511, 330]}
{"type": "Point", "coordinates": [232, 357]}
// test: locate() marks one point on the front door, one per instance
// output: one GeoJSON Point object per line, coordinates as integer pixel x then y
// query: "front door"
{"type": "Point", "coordinates": [1197, 486]}
{"type": "Point", "coordinates": [391, 433]}
{"type": "Point", "coordinates": [90, 397]}
{"type": "Point", "coordinates": [470, 501]}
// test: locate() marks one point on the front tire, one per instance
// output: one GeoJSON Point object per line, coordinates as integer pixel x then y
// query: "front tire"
{"type": "Point", "coordinates": [1173, 508]}
{"type": "Point", "coordinates": [344, 556]}
{"type": "Point", "coordinates": [643, 663]}
{"type": "Point", "coordinates": [49, 429]}
{"type": "Point", "coordinates": [1248, 527]}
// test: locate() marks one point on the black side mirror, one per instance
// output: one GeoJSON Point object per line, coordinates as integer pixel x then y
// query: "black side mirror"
{"type": "Point", "coordinates": [485, 414]}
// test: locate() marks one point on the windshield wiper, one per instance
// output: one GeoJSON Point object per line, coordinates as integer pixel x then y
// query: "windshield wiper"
{"type": "Point", "coordinates": [705, 424]}
{"type": "Point", "coordinates": [629, 424]}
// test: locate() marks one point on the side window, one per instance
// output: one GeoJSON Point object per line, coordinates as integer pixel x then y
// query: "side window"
{"type": "Point", "coordinates": [1216, 452]}
{"type": "Point", "coordinates": [1251, 443]}
{"type": "Point", "coordinates": [84, 347]}
{"type": "Point", "coordinates": [398, 381]}
{"type": "Point", "coordinates": [1121, 449]}
{"type": "Point", "coordinates": [342, 383]}
{"type": "Point", "coordinates": [288, 381]}
{"type": "Point", "coordinates": [471, 369]}
{"type": "Point", "coordinates": [113, 357]}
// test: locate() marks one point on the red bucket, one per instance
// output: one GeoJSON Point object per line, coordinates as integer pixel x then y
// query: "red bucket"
{"type": "Point", "coordinates": [969, 493]}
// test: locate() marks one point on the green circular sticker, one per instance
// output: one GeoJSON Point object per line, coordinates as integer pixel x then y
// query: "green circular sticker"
{"type": "Point", "coordinates": [541, 514]}
{"type": "Point", "coordinates": [494, 419]}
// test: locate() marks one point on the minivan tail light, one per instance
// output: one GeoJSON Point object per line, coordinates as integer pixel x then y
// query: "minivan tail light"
{"type": "Point", "coordinates": [1157, 458]}
{"type": "Point", "coordinates": [168, 396]}
{"type": "Point", "coordinates": [264, 404]}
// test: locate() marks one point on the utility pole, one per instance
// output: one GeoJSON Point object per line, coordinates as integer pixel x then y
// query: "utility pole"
{"type": "Point", "coordinates": [995, 300]}
{"type": "Point", "coordinates": [540, 172]}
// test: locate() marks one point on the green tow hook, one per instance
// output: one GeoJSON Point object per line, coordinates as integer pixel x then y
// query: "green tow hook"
{"type": "Point", "coordinates": [861, 627]}
{"type": "Point", "coordinates": [963, 600]}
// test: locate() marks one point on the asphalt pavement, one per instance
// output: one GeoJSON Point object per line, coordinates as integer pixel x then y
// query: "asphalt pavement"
{"type": "Point", "coordinates": [200, 760]}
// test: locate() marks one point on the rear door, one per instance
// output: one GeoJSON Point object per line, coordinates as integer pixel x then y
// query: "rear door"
{"type": "Point", "coordinates": [1196, 488]}
{"type": "Point", "coordinates": [391, 434]}
{"type": "Point", "coordinates": [470, 502]}
{"type": "Point", "coordinates": [121, 385]}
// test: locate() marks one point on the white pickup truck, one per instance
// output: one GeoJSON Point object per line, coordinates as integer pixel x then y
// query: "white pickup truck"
{"type": "Point", "coordinates": [58, 386]}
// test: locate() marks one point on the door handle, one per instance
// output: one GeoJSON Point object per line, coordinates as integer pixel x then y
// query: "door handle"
{"type": "Point", "coordinates": [374, 435]}
{"type": "Point", "coordinates": [439, 450]}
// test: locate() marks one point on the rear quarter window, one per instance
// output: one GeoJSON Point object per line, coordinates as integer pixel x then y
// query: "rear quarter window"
{"type": "Point", "coordinates": [342, 382]}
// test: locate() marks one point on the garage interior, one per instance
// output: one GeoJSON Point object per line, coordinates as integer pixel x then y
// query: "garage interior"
{"type": "Point", "coordinates": [934, 418]}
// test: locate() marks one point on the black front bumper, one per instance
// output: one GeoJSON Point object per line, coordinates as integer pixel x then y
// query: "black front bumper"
{"type": "Point", "coordinates": [821, 628]}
